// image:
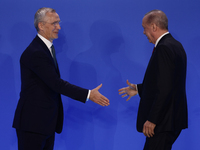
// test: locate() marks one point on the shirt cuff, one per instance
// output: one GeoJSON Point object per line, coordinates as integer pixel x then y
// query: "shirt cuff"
{"type": "Point", "coordinates": [136, 87]}
{"type": "Point", "coordinates": [88, 96]}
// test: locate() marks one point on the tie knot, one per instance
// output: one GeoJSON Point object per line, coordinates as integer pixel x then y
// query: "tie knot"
{"type": "Point", "coordinates": [53, 50]}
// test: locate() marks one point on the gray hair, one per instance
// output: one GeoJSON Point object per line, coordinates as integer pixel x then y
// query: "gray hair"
{"type": "Point", "coordinates": [40, 15]}
{"type": "Point", "coordinates": [158, 17]}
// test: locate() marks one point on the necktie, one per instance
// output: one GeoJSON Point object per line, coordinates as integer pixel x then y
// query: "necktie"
{"type": "Point", "coordinates": [54, 55]}
{"type": "Point", "coordinates": [153, 50]}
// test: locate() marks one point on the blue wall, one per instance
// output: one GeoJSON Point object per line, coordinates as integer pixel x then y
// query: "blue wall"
{"type": "Point", "coordinates": [101, 41]}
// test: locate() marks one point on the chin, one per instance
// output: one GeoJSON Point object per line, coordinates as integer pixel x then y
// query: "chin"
{"type": "Point", "coordinates": [55, 37]}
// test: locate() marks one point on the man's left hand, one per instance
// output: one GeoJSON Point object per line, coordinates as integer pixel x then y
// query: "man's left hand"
{"type": "Point", "coordinates": [148, 129]}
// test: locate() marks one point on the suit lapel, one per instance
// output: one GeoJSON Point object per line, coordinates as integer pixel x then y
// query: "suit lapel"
{"type": "Point", "coordinates": [45, 48]}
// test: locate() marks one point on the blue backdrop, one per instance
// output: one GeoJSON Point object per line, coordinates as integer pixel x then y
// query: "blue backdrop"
{"type": "Point", "coordinates": [101, 41]}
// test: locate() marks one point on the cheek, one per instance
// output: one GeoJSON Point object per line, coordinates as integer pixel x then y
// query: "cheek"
{"type": "Point", "coordinates": [53, 30]}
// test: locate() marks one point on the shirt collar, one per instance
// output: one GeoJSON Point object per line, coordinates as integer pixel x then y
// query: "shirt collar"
{"type": "Point", "coordinates": [47, 42]}
{"type": "Point", "coordinates": [160, 38]}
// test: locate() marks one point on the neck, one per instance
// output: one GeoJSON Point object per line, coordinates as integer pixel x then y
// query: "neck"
{"type": "Point", "coordinates": [160, 33]}
{"type": "Point", "coordinates": [44, 35]}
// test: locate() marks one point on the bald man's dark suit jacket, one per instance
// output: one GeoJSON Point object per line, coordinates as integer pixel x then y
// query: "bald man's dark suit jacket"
{"type": "Point", "coordinates": [40, 108]}
{"type": "Point", "coordinates": [162, 92]}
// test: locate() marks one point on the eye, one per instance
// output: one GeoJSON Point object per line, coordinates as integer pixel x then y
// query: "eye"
{"type": "Point", "coordinates": [56, 23]}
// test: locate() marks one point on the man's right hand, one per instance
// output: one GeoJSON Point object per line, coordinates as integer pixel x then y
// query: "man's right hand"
{"type": "Point", "coordinates": [97, 97]}
{"type": "Point", "coordinates": [130, 90]}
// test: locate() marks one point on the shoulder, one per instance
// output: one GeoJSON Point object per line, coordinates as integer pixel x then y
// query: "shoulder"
{"type": "Point", "coordinates": [35, 49]}
{"type": "Point", "coordinates": [170, 42]}
{"type": "Point", "coordinates": [170, 49]}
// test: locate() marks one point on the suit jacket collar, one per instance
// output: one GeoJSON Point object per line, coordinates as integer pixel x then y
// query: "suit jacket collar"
{"type": "Point", "coordinates": [166, 33]}
{"type": "Point", "coordinates": [46, 49]}
{"type": "Point", "coordinates": [44, 46]}
{"type": "Point", "coordinates": [164, 38]}
{"type": "Point", "coordinates": [47, 42]}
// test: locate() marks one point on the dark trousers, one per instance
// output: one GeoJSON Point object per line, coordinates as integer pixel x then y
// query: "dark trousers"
{"type": "Point", "coordinates": [161, 141]}
{"type": "Point", "coordinates": [34, 141]}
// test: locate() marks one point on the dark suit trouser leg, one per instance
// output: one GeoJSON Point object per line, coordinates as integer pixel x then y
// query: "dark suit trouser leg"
{"type": "Point", "coordinates": [34, 141]}
{"type": "Point", "coordinates": [161, 141]}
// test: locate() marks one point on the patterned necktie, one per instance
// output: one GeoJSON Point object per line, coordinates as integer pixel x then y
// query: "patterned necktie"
{"type": "Point", "coordinates": [54, 55]}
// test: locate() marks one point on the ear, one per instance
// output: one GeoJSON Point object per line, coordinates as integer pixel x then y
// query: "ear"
{"type": "Point", "coordinates": [154, 27]}
{"type": "Point", "coordinates": [41, 25]}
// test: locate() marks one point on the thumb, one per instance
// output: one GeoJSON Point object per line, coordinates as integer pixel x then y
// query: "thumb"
{"type": "Point", "coordinates": [98, 87]}
{"type": "Point", "coordinates": [128, 82]}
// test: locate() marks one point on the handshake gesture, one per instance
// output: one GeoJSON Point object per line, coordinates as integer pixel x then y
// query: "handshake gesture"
{"type": "Point", "coordinates": [97, 97]}
{"type": "Point", "coordinates": [130, 90]}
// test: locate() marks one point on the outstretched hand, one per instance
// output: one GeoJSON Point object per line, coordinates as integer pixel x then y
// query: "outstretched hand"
{"type": "Point", "coordinates": [98, 98]}
{"type": "Point", "coordinates": [130, 90]}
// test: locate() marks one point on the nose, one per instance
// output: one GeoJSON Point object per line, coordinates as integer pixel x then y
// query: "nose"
{"type": "Point", "coordinates": [58, 26]}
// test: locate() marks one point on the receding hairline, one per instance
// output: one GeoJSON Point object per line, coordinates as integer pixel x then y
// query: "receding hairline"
{"type": "Point", "coordinates": [158, 17]}
{"type": "Point", "coordinates": [154, 11]}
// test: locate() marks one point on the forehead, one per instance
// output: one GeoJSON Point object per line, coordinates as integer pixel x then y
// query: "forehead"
{"type": "Point", "coordinates": [144, 20]}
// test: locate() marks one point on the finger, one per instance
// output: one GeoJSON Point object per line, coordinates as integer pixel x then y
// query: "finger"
{"type": "Point", "coordinates": [103, 103]}
{"type": "Point", "coordinates": [124, 95]}
{"type": "Point", "coordinates": [122, 92]}
{"type": "Point", "coordinates": [149, 132]}
{"type": "Point", "coordinates": [103, 97]}
{"type": "Point", "coordinates": [122, 89]}
{"type": "Point", "coordinates": [104, 100]}
{"type": "Point", "coordinates": [145, 130]}
{"type": "Point", "coordinates": [100, 102]}
{"type": "Point", "coordinates": [98, 87]}
{"type": "Point", "coordinates": [152, 132]}
{"type": "Point", "coordinates": [128, 82]}
{"type": "Point", "coordinates": [128, 98]}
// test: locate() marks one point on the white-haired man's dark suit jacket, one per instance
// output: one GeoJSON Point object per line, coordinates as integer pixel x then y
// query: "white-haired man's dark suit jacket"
{"type": "Point", "coordinates": [40, 109]}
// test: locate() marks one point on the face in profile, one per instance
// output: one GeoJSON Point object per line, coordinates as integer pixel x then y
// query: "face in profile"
{"type": "Point", "coordinates": [148, 30]}
{"type": "Point", "coordinates": [50, 27]}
